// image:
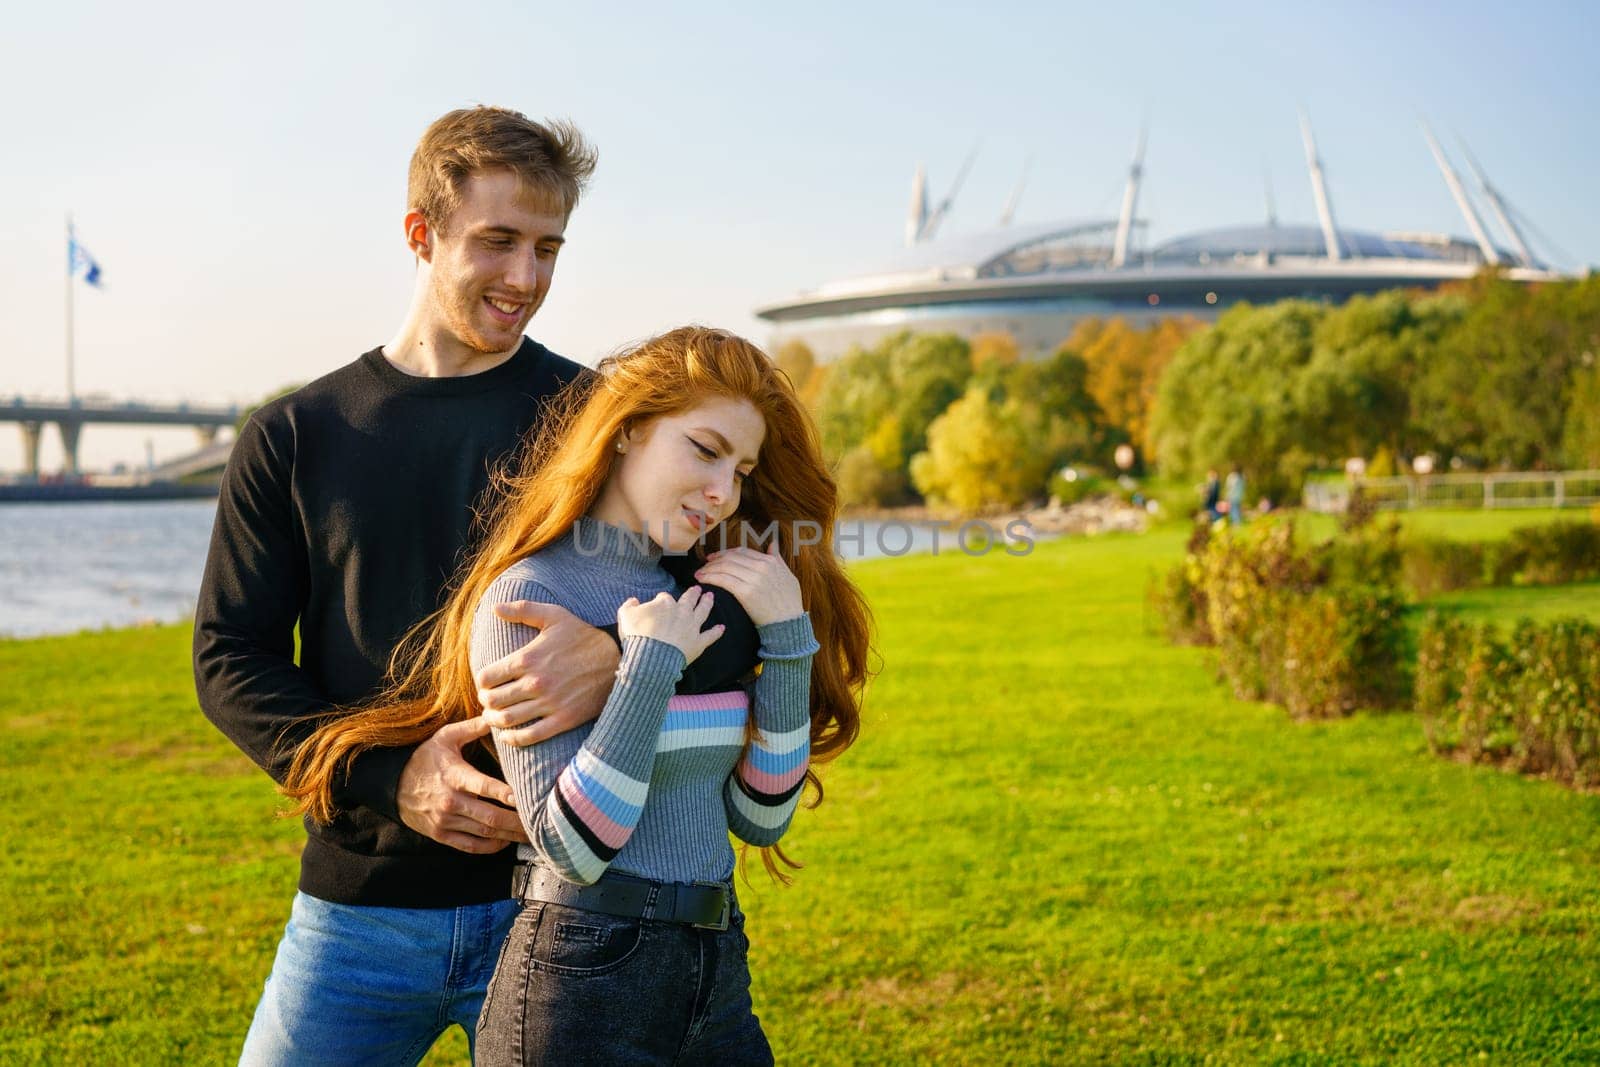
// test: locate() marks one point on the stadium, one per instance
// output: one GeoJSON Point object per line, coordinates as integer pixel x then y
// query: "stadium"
{"type": "Point", "coordinates": [1036, 282]}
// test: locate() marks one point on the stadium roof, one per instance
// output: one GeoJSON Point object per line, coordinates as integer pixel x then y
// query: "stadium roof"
{"type": "Point", "coordinates": [1102, 256]}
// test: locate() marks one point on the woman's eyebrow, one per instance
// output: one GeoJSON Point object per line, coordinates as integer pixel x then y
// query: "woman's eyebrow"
{"type": "Point", "coordinates": [723, 442]}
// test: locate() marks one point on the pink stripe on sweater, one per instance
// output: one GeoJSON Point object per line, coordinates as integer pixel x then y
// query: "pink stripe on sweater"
{"type": "Point", "coordinates": [763, 782]}
{"type": "Point", "coordinates": [728, 701]}
{"type": "Point", "coordinates": [613, 834]}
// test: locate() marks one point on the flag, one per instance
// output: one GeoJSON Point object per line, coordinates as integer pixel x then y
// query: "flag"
{"type": "Point", "coordinates": [80, 263]}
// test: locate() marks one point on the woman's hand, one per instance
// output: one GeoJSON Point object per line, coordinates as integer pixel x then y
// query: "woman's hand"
{"type": "Point", "coordinates": [677, 622]}
{"type": "Point", "coordinates": [762, 582]}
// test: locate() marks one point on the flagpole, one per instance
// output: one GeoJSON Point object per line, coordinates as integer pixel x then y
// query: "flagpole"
{"type": "Point", "coordinates": [70, 385]}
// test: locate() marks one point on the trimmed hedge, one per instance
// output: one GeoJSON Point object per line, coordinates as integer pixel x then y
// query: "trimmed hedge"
{"type": "Point", "coordinates": [1553, 554]}
{"type": "Point", "coordinates": [1286, 628]}
{"type": "Point", "coordinates": [1321, 631]}
{"type": "Point", "coordinates": [1530, 700]}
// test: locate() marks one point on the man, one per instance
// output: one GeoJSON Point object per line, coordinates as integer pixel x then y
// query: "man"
{"type": "Point", "coordinates": [345, 508]}
{"type": "Point", "coordinates": [1210, 496]}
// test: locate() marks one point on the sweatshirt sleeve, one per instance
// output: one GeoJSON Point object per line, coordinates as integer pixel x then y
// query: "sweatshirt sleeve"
{"type": "Point", "coordinates": [251, 597]}
{"type": "Point", "coordinates": [764, 788]}
{"type": "Point", "coordinates": [580, 793]}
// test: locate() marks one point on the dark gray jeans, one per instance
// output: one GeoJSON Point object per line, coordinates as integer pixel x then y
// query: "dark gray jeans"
{"type": "Point", "coordinates": [579, 987]}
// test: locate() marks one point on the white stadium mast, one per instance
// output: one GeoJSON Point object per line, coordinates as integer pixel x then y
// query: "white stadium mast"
{"type": "Point", "coordinates": [1016, 194]}
{"type": "Point", "coordinates": [918, 218]}
{"type": "Point", "coordinates": [1266, 188]}
{"type": "Point", "coordinates": [931, 227]}
{"type": "Point", "coordinates": [1490, 254]}
{"type": "Point", "coordinates": [1130, 201]}
{"type": "Point", "coordinates": [1502, 210]}
{"type": "Point", "coordinates": [1319, 189]}
{"type": "Point", "coordinates": [922, 224]}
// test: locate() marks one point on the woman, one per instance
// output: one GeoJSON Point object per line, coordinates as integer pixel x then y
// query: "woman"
{"type": "Point", "coordinates": [629, 947]}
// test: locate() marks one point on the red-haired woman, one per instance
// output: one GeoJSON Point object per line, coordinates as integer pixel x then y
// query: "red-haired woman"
{"type": "Point", "coordinates": [629, 946]}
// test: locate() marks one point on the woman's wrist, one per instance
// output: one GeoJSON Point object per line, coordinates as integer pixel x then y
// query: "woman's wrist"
{"type": "Point", "coordinates": [790, 638]}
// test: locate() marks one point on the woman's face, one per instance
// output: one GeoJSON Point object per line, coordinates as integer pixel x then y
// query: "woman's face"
{"type": "Point", "coordinates": [680, 475]}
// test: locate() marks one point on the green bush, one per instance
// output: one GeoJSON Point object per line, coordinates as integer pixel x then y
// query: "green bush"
{"type": "Point", "coordinates": [1317, 630]}
{"type": "Point", "coordinates": [1245, 577]}
{"type": "Point", "coordinates": [1080, 488]}
{"type": "Point", "coordinates": [1361, 509]}
{"type": "Point", "coordinates": [1555, 697]}
{"type": "Point", "coordinates": [1344, 649]}
{"type": "Point", "coordinates": [1440, 675]}
{"type": "Point", "coordinates": [1368, 555]}
{"type": "Point", "coordinates": [1178, 600]}
{"type": "Point", "coordinates": [1431, 566]}
{"type": "Point", "coordinates": [1504, 560]}
{"type": "Point", "coordinates": [1530, 701]}
{"type": "Point", "coordinates": [1556, 553]}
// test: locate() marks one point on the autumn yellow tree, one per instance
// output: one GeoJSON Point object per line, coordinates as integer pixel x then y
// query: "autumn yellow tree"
{"type": "Point", "coordinates": [995, 349]}
{"type": "Point", "coordinates": [795, 358]}
{"type": "Point", "coordinates": [1125, 364]}
{"type": "Point", "coordinates": [981, 454]}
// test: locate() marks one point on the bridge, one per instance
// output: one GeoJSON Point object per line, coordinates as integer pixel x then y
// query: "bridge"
{"type": "Point", "coordinates": [70, 416]}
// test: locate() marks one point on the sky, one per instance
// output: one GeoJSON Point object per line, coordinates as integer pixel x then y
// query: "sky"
{"type": "Point", "coordinates": [238, 171]}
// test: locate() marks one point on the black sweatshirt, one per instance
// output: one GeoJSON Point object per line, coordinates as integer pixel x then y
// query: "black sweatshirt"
{"type": "Point", "coordinates": [345, 509]}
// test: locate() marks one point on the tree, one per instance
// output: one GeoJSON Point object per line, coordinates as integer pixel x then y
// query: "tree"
{"type": "Point", "coordinates": [877, 404]}
{"type": "Point", "coordinates": [980, 454]}
{"type": "Point", "coordinates": [1052, 399]}
{"type": "Point", "coordinates": [1580, 440]}
{"type": "Point", "coordinates": [795, 358]}
{"type": "Point", "coordinates": [1499, 386]}
{"type": "Point", "coordinates": [1367, 355]}
{"type": "Point", "coordinates": [854, 399]}
{"type": "Point", "coordinates": [1124, 366]}
{"type": "Point", "coordinates": [1229, 397]}
{"type": "Point", "coordinates": [997, 349]}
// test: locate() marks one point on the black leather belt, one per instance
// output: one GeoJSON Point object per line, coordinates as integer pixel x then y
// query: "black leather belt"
{"type": "Point", "coordinates": [703, 904]}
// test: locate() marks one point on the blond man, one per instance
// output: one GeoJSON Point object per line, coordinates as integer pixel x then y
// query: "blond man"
{"type": "Point", "coordinates": [344, 510]}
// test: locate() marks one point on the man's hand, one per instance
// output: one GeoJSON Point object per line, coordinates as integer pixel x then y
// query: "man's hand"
{"type": "Point", "coordinates": [557, 681]}
{"type": "Point", "coordinates": [441, 794]}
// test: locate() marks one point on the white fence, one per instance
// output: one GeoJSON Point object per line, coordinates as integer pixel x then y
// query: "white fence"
{"type": "Point", "coordinates": [1508, 489]}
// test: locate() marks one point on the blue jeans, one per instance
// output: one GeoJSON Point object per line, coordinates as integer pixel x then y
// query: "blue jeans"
{"type": "Point", "coordinates": [355, 985]}
{"type": "Point", "coordinates": [581, 989]}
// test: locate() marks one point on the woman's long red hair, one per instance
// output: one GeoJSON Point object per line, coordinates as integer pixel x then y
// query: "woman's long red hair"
{"type": "Point", "coordinates": [554, 480]}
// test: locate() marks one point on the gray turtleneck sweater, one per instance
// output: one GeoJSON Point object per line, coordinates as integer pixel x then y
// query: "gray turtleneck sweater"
{"type": "Point", "coordinates": [653, 786]}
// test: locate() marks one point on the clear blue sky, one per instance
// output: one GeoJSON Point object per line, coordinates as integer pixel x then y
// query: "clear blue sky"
{"type": "Point", "coordinates": [240, 176]}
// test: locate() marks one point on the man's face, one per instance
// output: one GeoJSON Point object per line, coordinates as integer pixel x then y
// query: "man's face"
{"type": "Point", "coordinates": [492, 262]}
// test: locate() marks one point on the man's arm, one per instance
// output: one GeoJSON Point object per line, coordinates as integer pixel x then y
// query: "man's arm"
{"type": "Point", "coordinates": [251, 597]}
{"type": "Point", "coordinates": [254, 590]}
{"type": "Point", "coordinates": [558, 680]}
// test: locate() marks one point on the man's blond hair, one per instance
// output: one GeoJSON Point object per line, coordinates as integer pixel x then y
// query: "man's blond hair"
{"type": "Point", "coordinates": [550, 159]}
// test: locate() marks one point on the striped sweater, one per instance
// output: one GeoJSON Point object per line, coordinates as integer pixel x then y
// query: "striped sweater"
{"type": "Point", "coordinates": [654, 785]}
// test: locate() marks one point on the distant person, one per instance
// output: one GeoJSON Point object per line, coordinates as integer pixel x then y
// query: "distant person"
{"type": "Point", "coordinates": [1233, 489]}
{"type": "Point", "coordinates": [630, 947]}
{"type": "Point", "coordinates": [1210, 494]}
{"type": "Point", "coordinates": [345, 508]}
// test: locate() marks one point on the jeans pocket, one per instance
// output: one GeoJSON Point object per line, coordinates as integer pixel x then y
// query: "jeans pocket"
{"type": "Point", "coordinates": [584, 943]}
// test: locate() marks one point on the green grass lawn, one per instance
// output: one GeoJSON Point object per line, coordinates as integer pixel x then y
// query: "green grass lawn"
{"type": "Point", "coordinates": [1454, 524]}
{"type": "Point", "coordinates": [1058, 841]}
{"type": "Point", "coordinates": [1505, 605]}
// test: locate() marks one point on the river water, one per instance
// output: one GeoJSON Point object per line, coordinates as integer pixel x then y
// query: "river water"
{"type": "Point", "coordinates": [71, 567]}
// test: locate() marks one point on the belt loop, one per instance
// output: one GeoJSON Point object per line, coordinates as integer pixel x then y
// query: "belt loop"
{"type": "Point", "coordinates": [650, 902]}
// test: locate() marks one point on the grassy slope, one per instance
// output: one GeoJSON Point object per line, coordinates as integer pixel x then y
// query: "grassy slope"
{"type": "Point", "coordinates": [1058, 841]}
